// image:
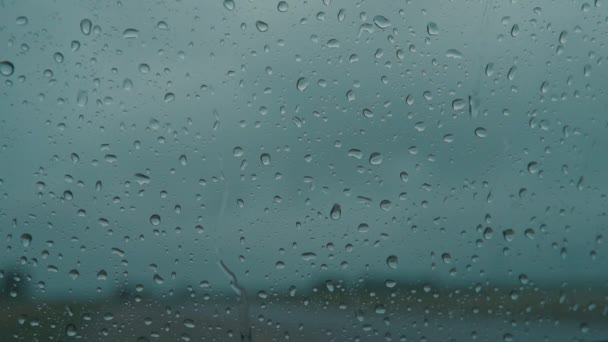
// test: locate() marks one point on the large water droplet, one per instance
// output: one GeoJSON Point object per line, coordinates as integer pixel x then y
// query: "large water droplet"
{"type": "Point", "coordinates": [375, 158]}
{"type": "Point", "coordinates": [130, 33]}
{"type": "Point", "coordinates": [432, 29]}
{"type": "Point", "coordinates": [155, 220]}
{"type": "Point", "coordinates": [26, 239]}
{"type": "Point", "coordinates": [265, 159]}
{"type": "Point", "coordinates": [392, 261]}
{"type": "Point", "coordinates": [6, 68]}
{"type": "Point", "coordinates": [85, 26]}
{"type": "Point", "coordinates": [229, 4]}
{"type": "Point", "coordinates": [302, 83]}
{"type": "Point", "coordinates": [382, 22]}
{"type": "Point", "coordinates": [261, 26]}
{"type": "Point", "coordinates": [336, 212]}
{"type": "Point", "coordinates": [282, 6]}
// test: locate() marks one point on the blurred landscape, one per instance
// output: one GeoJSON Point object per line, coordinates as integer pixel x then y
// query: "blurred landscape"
{"type": "Point", "coordinates": [327, 310]}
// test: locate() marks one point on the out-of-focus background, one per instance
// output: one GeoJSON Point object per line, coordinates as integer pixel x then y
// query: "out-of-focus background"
{"type": "Point", "coordinates": [322, 170]}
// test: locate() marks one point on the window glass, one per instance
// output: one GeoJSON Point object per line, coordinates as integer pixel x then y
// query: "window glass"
{"type": "Point", "coordinates": [318, 170]}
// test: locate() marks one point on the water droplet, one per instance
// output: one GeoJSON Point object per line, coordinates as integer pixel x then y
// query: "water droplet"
{"type": "Point", "coordinates": [142, 179]}
{"type": "Point", "coordinates": [144, 68]}
{"type": "Point", "coordinates": [74, 274]}
{"type": "Point", "coordinates": [6, 68]}
{"type": "Point", "coordinates": [282, 6]}
{"type": "Point", "coordinates": [481, 132]}
{"type": "Point", "coordinates": [85, 26]}
{"type": "Point", "coordinates": [58, 57]}
{"type": "Point", "coordinates": [302, 83]}
{"type": "Point", "coordinates": [336, 212]}
{"type": "Point", "coordinates": [155, 220]}
{"type": "Point", "coordinates": [183, 160]}
{"type": "Point", "coordinates": [265, 159]}
{"type": "Point", "coordinates": [508, 234]}
{"type": "Point", "coordinates": [453, 53]}
{"type": "Point", "coordinates": [26, 239]}
{"type": "Point", "coordinates": [404, 176]}
{"type": "Point", "coordinates": [515, 30]}
{"type": "Point", "coordinates": [432, 29]}
{"type": "Point", "coordinates": [237, 151]}
{"type": "Point", "coordinates": [161, 25]}
{"type": "Point", "coordinates": [382, 22]}
{"type": "Point", "coordinates": [130, 33]}
{"type": "Point", "coordinates": [385, 205]}
{"type": "Point", "coordinates": [21, 21]}
{"type": "Point", "coordinates": [261, 26]}
{"type": "Point", "coordinates": [169, 97]}
{"type": "Point", "coordinates": [82, 98]}
{"type": "Point", "coordinates": [158, 279]}
{"type": "Point", "coordinates": [229, 4]}
{"type": "Point", "coordinates": [102, 275]}
{"type": "Point", "coordinates": [459, 104]}
{"type": "Point", "coordinates": [392, 261]}
{"type": "Point", "coordinates": [188, 323]}
{"type": "Point", "coordinates": [375, 158]}
{"type": "Point", "coordinates": [70, 330]}
{"type": "Point", "coordinates": [446, 258]}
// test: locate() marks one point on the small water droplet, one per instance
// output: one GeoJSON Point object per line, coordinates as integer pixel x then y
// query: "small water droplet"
{"type": "Point", "coordinates": [282, 6]}
{"type": "Point", "coordinates": [169, 97]}
{"type": "Point", "coordinates": [302, 83]}
{"type": "Point", "coordinates": [336, 212]}
{"type": "Point", "coordinates": [481, 132]}
{"type": "Point", "coordinates": [432, 29]}
{"type": "Point", "coordinates": [70, 330]}
{"type": "Point", "coordinates": [82, 98]}
{"type": "Point", "coordinates": [261, 26]}
{"type": "Point", "coordinates": [392, 261]}
{"type": "Point", "coordinates": [453, 53]}
{"type": "Point", "coordinates": [85, 26]}
{"type": "Point", "coordinates": [375, 158]}
{"type": "Point", "coordinates": [382, 22]}
{"type": "Point", "coordinates": [26, 239]}
{"type": "Point", "coordinates": [22, 20]}
{"type": "Point", "coordinates": [155, 219]}
{"type": "Point", "coordinates": [130, 33]}
{"type": "Point", "coordinates": [229, 4]}
{"type": "Point", "coordinates": [265, 159]}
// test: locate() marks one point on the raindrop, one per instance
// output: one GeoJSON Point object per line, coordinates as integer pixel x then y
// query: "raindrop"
{"type": "Point", "coordinates": [6, 68]}
{"type": "Point", "coordinates": [58, 57]}
{"type": "Point", "coordinates": [183, 160]}
{"type": "Point", "coordinates": [375, 158]}
{"type": "Point", "coordinates": [261, 26]}
{"type": "Point", "coordinates": [382, 22]}
{"type": "Point", "coordinates": [85, 26]}
{"type": "Point", "coordinates": [404, 176]}
{"type": "Point", "coordinates": [229, 4]}
{"type": "Point", "coordinates": [481, 132]}
{"type": "Point", "coordinates": [453, 53]}
{"type": "Point", "coordinates": [158, 279]}
{"type": "Point", "coordinates": [82, 98]}
{"type": "Point", "coordinates": [446, 258]}
{"type": "Point", "coordinates": [508, 234]}
{"type": "Point", "coordinates": [459, 104]}
{"type": "Point", "coordinates": [142, 179]}
{"type": "Point", "coordinates": [169, 97]}
{"type": "Point", "coordinates": [282, 6]}
{"type": "Point", "coordinates": [336, 212]}
{"type": "Point", "coordinates": [302, 83]}
{"type": "Point", "coordinates": [130, 33]}
{"type": "Point", "coordinates": [21, 20]}
{"type": "Point", "coordinates": [392, 261]}
{"type": "Point", "coordinates": [102, 275]}
{"type": "Point", "coordinates": [155, 220]}
{"type": "Point", "coordinates": [70, 330]}
{"type": "Point", "coordinates": [265, 159]}
{"type": "Point", "coordinates": [432, 29]}
{"type": "Point", "coordinates": [26, 239]}
{"type": "Point", "coordinates": [144, 68]}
